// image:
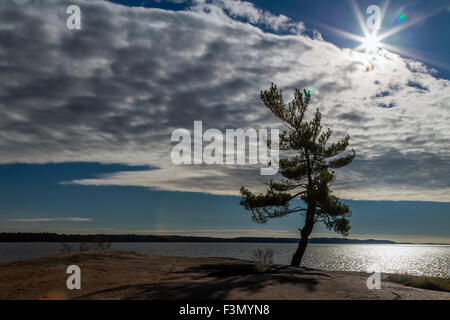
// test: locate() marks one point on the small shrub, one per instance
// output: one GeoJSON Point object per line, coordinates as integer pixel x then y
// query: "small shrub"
{"type": "Point", "coordinates": [85, 246]}
{"type": "Point", "coordinates": [263, 255]}
{"type": "Point", "coordinates": [66, 248]}
{"type": "Point", "coordinates": [101, 243]}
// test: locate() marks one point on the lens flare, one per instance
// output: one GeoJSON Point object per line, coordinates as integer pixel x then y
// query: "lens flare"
{"type": "Point", "coordinates": [312, 89]}
{"type": "Point", "coordinates": [402, 16]}
{"type": "Point", "coordinates": [374, 42]}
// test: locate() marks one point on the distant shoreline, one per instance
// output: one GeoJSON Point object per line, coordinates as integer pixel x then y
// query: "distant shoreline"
{"type": "Point", "coordinates": [54, 237]}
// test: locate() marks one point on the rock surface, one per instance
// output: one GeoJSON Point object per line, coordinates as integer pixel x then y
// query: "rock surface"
{"type": "Point", "coordinates": [128, 275]}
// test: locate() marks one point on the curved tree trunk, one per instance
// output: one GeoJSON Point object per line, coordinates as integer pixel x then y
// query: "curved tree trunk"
{"type": "Point", "coordinates": [298, 255]}
{"type": "Point", "coordinates": [306, 231]}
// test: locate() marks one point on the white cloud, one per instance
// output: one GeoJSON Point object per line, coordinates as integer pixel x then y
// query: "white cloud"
{"type": "Point", "coordinates": [73, 219]}
{"type": "Point", "coordinates": [247, 11]}
{"type": "Point", "coordinates": [114, 91]}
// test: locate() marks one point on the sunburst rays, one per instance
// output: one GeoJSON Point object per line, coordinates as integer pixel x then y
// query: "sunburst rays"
{"type": "Point", "coordinates": [372, 41]}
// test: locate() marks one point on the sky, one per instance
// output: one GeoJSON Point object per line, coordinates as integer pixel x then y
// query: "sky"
{"type": "Point", "coordinates": [86, 115]}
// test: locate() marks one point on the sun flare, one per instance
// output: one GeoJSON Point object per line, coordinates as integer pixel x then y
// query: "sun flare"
{"type": "Point", "coordinates": [371, 43]}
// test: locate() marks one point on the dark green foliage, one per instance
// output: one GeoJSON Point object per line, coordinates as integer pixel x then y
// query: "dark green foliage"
{"type": "Point", "coordinates": [305, 175]}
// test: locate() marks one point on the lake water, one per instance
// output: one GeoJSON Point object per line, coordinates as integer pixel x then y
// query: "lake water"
{"type": "Point", "coordinates": [415, 259]}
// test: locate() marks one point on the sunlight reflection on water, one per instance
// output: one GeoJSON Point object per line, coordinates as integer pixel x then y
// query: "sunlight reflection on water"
{"type": "Point", "coordinates": [414, 259]}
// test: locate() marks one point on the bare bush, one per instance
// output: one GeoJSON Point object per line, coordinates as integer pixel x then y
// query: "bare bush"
{"type": "Point", "coordinates": [85, 246]}
{"type": "Point", "coordinates": [98, 243]}
{"type": "Point", "coordinates": [101, 243]}
{"type": "Point", "coordinates": [263, 255]}
{"type": "Point", "coordinates": [66, 248]}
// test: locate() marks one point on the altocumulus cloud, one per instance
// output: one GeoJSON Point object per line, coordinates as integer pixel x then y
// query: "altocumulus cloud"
{"type": "Point", "coordinates": [114, 91]}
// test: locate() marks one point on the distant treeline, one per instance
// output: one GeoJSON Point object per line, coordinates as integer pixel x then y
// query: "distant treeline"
{"type": "Point", "coordinates": [54, 237]}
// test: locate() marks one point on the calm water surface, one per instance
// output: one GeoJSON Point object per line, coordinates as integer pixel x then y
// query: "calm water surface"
{"type": "Point", "coordinates": [415, 259]}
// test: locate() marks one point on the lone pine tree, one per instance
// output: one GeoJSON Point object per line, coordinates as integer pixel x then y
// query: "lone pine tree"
{"type": "Point", "coordinates": [305, 175]}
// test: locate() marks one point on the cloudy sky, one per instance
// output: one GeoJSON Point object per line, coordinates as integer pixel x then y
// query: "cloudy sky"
{"type": "Point", "coordinates": [86, 115]}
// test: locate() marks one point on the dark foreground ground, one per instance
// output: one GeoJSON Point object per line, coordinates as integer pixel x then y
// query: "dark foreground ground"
{"type": "Point", "coordinates": [127, 275]}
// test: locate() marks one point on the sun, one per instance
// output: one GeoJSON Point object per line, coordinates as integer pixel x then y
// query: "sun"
{"type": "Point", "coordinates": [371, 43]}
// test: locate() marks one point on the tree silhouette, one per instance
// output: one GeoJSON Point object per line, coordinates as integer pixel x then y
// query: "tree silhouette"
{"type": "Point", "coordinates": [306, 175]}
